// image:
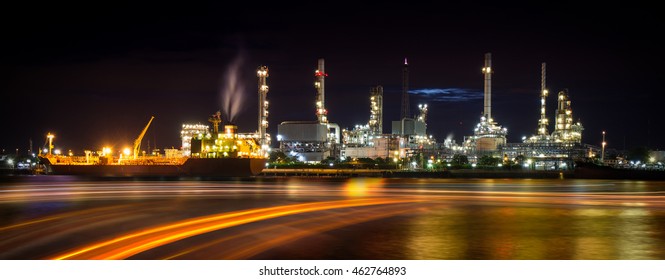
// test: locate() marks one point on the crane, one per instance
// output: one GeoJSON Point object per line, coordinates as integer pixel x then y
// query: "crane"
{"type": "Point", "coordinates": [137, 142]}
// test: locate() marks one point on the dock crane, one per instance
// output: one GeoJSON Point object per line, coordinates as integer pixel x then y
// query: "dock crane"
{"type": "Point", "coordinates": [137, 142]}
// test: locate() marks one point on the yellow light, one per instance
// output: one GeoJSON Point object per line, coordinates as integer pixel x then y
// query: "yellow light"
{"type": "Point", "coordinates": [127, 151]}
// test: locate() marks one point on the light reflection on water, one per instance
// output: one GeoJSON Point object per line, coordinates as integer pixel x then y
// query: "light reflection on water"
{"type": "Point", "coordinates": [437, 218]}
{"type": "Point", "coordinates": [535, 233]}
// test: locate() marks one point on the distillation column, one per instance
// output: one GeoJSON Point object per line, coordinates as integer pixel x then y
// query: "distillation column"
{"type": "Point", "coordinates": [262, 74]}
{"type": "Point", "coordinates": [566, 130]}
{"type": "Point", "coordinates": [376, 110]}
{"type": "Point", "coordinates": [487, 70]}
{"type": "Point", "coordinates": [319, 84]}
{"type": "Point", "coordinates": [564, 117]}
{"type": "Point", "coordinates": [542, 124]}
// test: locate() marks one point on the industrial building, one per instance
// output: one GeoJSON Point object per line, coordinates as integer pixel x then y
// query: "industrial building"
{"type": "Point", "coordinates": [379, 146]}
{"type": "Point", "coordinates": [368, 141]}
{"type": "Point", "coordinates": [408, 135]}
{"type": "Point", "coordinates": [413, 129]}
{"type": "Point", "coordinates": [311, 141]}
{"type": "Point", "coordinates": [190, 131]}
{"type": "Point", "coordinates": [361, 134]}
{"type": "Point", "coordinates": [306, 140]}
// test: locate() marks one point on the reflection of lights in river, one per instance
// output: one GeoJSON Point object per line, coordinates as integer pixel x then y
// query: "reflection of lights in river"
{"type": "Point", "coordinates": [360, 187]}
{"type": "Point", "coordinates": [452, 219]}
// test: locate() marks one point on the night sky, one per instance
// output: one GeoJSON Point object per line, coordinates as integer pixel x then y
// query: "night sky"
{"type": "Point", "coordinates": [94, 74]}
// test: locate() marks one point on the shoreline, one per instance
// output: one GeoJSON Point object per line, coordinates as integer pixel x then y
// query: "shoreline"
{"type": "Point", "coordinates": [321, 173]}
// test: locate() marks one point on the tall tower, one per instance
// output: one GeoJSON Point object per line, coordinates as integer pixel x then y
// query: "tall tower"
{"type": "Point", "coordinates": [376, 110]}
{"type": "Point", "coordinates": [262, 74]}
{"type": "Point", "coordinates": [405, 91]}
{"type": "Point", "coordinates": [543, 122]}
{"type": "Point", "coordinates": [487, 70]}
{"type": "Point", "coordinates": [488, 135]}
{"type": "Point", "coordinates": [319, 84]}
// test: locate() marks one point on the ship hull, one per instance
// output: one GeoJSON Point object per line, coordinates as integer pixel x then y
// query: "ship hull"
{"type": "Point", "coordinates": [210, 167]}
{"type": "Point", "coordinates": [224, 167]}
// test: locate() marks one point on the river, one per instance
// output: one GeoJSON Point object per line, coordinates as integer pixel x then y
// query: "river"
{"type": "Point", "coordinates": [66, 217]}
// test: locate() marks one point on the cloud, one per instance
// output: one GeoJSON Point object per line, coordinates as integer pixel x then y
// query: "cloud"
{"type": "Point", "coordinates": [448, 94]}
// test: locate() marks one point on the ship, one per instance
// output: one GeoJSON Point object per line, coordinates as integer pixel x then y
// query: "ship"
{"type": "Point", "coordinates": [190, 167]}
{"type": "Point", "coordinates": [210, 154]}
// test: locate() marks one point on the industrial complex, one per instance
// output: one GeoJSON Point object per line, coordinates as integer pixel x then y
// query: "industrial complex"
{"type": "Point", "coordinates": [408, 146]}
{"type": "Point", "coordinates": [408, 142]}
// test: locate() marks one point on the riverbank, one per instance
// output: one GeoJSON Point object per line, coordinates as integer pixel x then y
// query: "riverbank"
{"type": "Point", "coordinates": [326, 173]}
{"type": "Point", "coordinates": [391, 173]}
{"type": "Point", "coordinates": [579, 173]}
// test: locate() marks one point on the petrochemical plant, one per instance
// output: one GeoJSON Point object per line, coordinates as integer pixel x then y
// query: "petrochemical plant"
{"type": "Point", "coordinates": [408, 142]}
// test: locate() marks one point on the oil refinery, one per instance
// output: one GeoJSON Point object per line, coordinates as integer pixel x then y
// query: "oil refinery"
{"type": "Point", "coordinates": [408, 145]}
{"type": "Point", "coordinates": [409, 142]}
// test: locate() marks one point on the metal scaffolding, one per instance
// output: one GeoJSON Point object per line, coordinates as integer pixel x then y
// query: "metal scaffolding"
{"type": "Point", "coordinates": [262, 74]}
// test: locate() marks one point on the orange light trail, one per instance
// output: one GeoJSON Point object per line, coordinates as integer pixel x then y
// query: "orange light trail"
{"type": "Point", "coordinates": [306, 226]}
{"type": "Point", "coordinates": [134, 243]}
{"type": "Point", "coordinates": [256, 248]}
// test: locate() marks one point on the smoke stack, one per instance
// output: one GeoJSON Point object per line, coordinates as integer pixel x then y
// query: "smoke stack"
{"type": "Point", "coordinates": [230, 131]}
{"type": "Point", "coordinates": [320, 93]}
{"type": "Point", "coordinates": [487, 70]}
{"type": "Point", "coordinates": [405, 91]}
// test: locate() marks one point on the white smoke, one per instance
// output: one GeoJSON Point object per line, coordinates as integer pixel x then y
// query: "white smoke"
{"type": "Point", "coordinates": [232, 90]}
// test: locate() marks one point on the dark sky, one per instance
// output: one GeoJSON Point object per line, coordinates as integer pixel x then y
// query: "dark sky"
{"type": "Point", "coordinates": [94, 74]}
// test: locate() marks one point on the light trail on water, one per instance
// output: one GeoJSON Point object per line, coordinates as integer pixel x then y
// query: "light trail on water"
{"type": "Point", "coordinates": [240, 220]}
{"type": "Point", "coordinates": [134, 243]}
{"type": "Point", "coordinates": [234, 247]}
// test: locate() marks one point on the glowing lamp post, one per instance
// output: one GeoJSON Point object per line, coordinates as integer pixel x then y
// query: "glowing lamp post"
{"type": "Point", "coordinates": [602, 150]}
